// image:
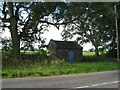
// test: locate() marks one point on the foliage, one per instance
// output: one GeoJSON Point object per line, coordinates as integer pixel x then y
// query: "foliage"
{"type": "Point", "coordinates": [91, 50]}
{"type": "Point", "coordinates": [96, 25]}
{"type": "Point", "coordinates": [55, 67]}
{"type": "Point", "coordinates": [28, 20]}
{"type": "Point", "coordinates": [6, 44]}
{"type": "Point", "coordinates": [112, 53]}
{"type": "Point", "coordinates": [34, 64]}
{"type": "Point", "coordinates": [101, 58]}
{"type": "Point", "coordinates": [90, 22]}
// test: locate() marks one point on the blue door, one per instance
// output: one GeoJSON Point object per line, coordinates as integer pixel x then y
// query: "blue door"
{"type": "Point", "coordinates": [71, 56]}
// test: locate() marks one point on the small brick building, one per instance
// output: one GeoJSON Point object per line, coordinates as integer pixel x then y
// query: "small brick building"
{"type": "Point", "coordinates": [71, 51]}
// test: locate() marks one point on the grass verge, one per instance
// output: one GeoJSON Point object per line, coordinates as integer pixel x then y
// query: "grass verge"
{"type": "Point", "coordinates": [56, 67]}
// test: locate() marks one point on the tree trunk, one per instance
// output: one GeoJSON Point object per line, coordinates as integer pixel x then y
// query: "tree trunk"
{"type": "Point", "coordinates": [15, 39]}
{"type": "Point", "coordinates": [97, 51]}
{"type": "Point", "coordinates": [96, 47]}
{"type": "Point", "coordinates": [14, 32]}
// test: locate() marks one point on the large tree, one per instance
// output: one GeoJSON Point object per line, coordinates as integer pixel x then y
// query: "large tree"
{"type": "Point", "coordinates": [95, 25]}
{"type": "Point", "coordinates": [26, 21]}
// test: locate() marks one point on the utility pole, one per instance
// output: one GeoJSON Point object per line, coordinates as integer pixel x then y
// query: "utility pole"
{"type": "Point", "coordinates": [117, 37]}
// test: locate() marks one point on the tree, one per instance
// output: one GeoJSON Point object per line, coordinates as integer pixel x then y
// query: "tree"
{"type": "Point", "coordinates": [96, 25]}
{"type": "Point", "coordinates": [6, 44]}
{"type": "Point", "coordinates": [26, 21]}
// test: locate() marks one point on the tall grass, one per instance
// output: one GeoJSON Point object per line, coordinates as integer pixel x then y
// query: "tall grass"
{"type": "Point", "coordinates": [37, 65]}
{"type": "Point", "coordinates": [55, 67]}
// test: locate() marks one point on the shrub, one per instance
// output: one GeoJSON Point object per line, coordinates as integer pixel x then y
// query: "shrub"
{"type": "Point", "coordinates": [97, 58]}
{"type": "Point", "coordinates": [91, 50]}
{"type": "Point", "coordinates": [112, 53]}
{"type": "Point", "coordinates": [57, 62]}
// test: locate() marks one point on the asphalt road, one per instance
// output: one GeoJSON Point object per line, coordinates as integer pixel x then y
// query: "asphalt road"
{"type": "Point", "coordinates": [107, 79]}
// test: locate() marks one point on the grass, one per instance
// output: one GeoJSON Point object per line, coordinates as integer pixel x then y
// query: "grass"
{"type": "Point", "coordinates": [56, 67]}
{"type": "Point", "coordinates": [37, 68]}
{"type": "Point", "coordinates": [86, 53]}
{"type": "Point", "coordinates": [29, 51]}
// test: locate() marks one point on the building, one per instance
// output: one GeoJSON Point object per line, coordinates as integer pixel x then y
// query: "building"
{"type": "Point", "coordinates": [69, 50]}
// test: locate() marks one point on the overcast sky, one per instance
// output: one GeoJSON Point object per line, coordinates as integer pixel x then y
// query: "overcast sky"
{"type": "Point", "coordinates": [53, 33]}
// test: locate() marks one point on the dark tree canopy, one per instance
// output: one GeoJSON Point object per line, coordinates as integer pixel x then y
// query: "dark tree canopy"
{"type": "Point", "coordinates": [27, 21]}
{"type": "Point", "coordinates": [96, 25]}
{"type": "Point", "coordinates": [93, 22]}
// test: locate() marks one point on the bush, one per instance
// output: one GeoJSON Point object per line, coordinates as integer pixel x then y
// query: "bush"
{"type": "Point", "coordinates": [91, 50]}
{"type": "Point", "coordinates": [57, 62]}
{"type": "Point", "coordinates": [112, 53]}
{"type": "Point", "coordinates": [97, 58]}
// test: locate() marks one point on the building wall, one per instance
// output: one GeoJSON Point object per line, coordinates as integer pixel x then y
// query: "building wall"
{"type": "Point", "coordinates": [63, 53]}
{"type": "Point", "coordinates": [78, 55]}
{"type": "Point", "coordinates": [52, 47]}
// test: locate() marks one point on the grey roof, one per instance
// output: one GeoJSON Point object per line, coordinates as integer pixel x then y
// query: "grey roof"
{"type": "Point", "coordinates": [67, 45]}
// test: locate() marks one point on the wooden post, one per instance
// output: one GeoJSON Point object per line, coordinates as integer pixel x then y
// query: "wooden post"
{"type": "Point", "coordinates": [117, 35]}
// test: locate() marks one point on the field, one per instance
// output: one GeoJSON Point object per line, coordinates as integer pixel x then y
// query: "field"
{"type": "Point", "coordinates": [53, 66]}
{"type": "Point", "coordinates": [87, 53]}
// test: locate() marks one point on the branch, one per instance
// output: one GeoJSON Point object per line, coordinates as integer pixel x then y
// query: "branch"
{"type": "Point", "coordinates": [5, 20]}
{"type": "Point", "coordinates": [17, 10]}
{"type": "Point", "coordinates": [10, 9]}
{"type": "Point", "coordinates": [25, 25]}
{"type": "Point", "coordinates": [55, 24]}
{"type": "Point", "coordinates": [58, 24]}
{"type": "Point", "coordinates": [54, 5]}
{"type": "Point", "coordinates": [3, 11]}
{"type": "Point", "coordinates": [4, 26]}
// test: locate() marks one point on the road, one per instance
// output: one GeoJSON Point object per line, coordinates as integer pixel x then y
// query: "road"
{"type": "Point", "coordinates": [106, 79]}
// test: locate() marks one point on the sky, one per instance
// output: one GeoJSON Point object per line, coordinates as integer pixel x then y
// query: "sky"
{"type": "Point", "coordinates": [52, 33]}
{"type": "Point", "coordinates": [55, 34]}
